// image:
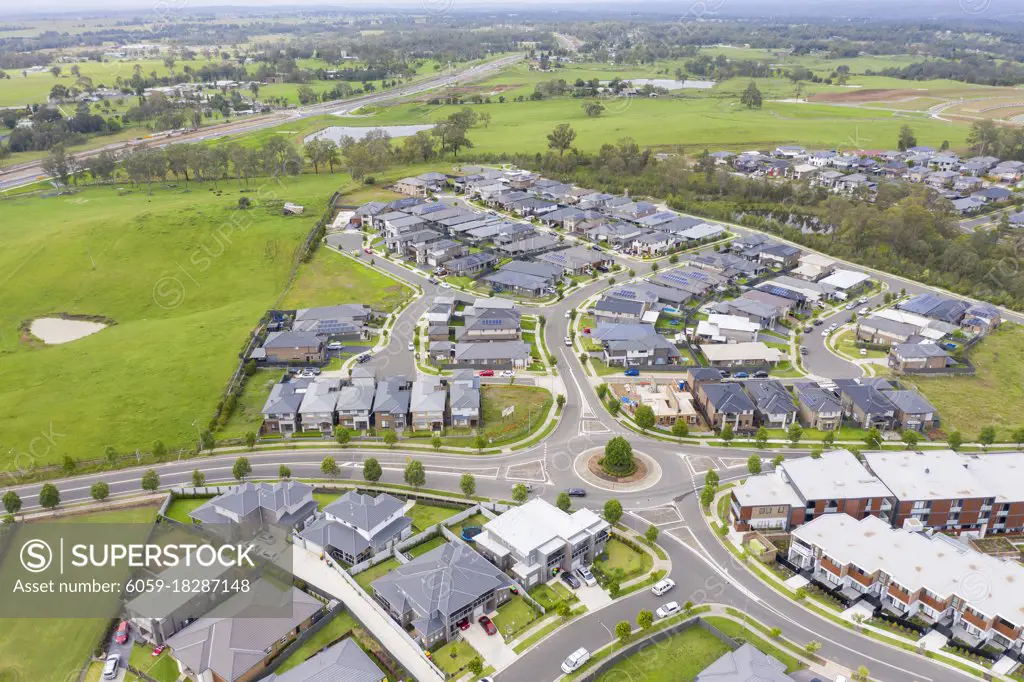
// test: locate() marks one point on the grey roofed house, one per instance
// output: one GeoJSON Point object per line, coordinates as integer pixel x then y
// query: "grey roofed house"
{"type": "Point", "coordinates": [620, 306]}
{"type": "Point", "coordinates": [890, 327]}
{"type": "Point", "coordinates": [545, 270]}
{"type": "Point", "coordinates": [343, 662]}
{"type": "Point", "coordinates": [909, 402]}
{"type": "Point", "coordinates": [229, 646]}
{"type": "Point", "coordinates": [427, 395]}
{"type": "Point", "coordinates": [435, 586]}
{"type": "Point", "coordinates": [573, 258]}
{"type": "Point", "coordinates": [285, 398]}
{"type": "Point", "coordinates": [286, 503]}
{"type": "Point", "coordinates": [392, 396]}
{"type": "Point", "coordinates": [518, 280]}
{"type": "Point", "coordinates": [371, 208]}
{"type": "Point", "coordinates": [472, 262]}
{"type": "Point", "coordinates": [745, 664]}
{"type": "Point", "coordinates": [919, 350]}
{"type": "Point", "coordinates": [622, 332]}
{"type": "Point", "coordinates": [936, 307]}
{"type": "Point", "coordinates": [356, 397]}
{"type": "Point", "coordinates": [364, 512]}
{"type": "Point", "coordinates": [345, 311]}
{"type": "Point", "coordinates": [650, 293]}
{"type": "Point", "coordinates": [728, 398]}
{"type": "Point", "coordinates": [291, 339]}
{"type": "Point", "coordinates": [464, 397]}
{"type": "Point", "coordinates": [532, 244]}
{"type": "Point", "coordinates": [869, 399]}
{"type": "Point", "coordinates": [770, 396]}
{"type": "Point", "coordinates": [498, 351]}
{"type": "Point", "coordinates": [816, 398]}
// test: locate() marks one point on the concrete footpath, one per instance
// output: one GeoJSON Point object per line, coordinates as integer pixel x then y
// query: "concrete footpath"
{"type": "Point", "coordinates": [308, 567]}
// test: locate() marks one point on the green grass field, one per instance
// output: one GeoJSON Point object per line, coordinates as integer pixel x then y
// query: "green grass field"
{"type": "Point", "coordinates": [52, 649]}
{"type": "Point", "coordinates": [369, 575]}
{"type": "Point", "coordinates": [426, 515]}
{"type": "Point", "coordinates": [531, 407]}
{"type": "Point", "coordinates": [514, 616]}
{"type": "Point", "coordinates": [622, 557]}
{"type": "Point", "coordinates": [993, 397]}
{"type": "Point", "coordinates": [184, 275]}
{"type": "Point", "coordinates": [454, 656]}
{"type": "Point", "coordinates": [679, 658]}
{"type": "Point", "coordinates": [424, 547]}
{"type": "Point", "coordinates": [332, 278]}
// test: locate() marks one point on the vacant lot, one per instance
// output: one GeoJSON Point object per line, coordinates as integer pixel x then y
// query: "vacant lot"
{"type": "Point", "coordinates": [993, 397]}
{"type": "Point", "coordinates": [331, 278]}
{"type": "Point", "coordinates": [531, 407]}
{"type": "Point", "coordinates": [52, 649]}
{"type": "Point", "coordinates": [680, 658]}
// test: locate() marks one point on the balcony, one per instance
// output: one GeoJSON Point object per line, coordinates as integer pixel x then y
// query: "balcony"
{"type": "Point", "coordinates": [1005, 630]}
{"type": "Point", "coordinates": [862, 578]}
{"type": "Point", "coordinates": [899, 594]}
{"type": "Point", "coordinates": [830, 566]}
{"type": "Point", "coordinates": [975, 620]}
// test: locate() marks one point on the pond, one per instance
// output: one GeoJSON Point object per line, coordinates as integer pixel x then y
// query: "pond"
{"type": "Point", "coordinates": [54, 330]}
{"type": "Point", "coordinates": [357, 133]}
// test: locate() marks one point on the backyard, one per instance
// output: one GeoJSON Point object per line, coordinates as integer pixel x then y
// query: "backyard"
{"type": "Point", "coordinates": [162, 668]}
{"type": "Point", "coordinates": [680, 658]}
{"type": "Point", "coordinates": [426, 515]}
{"type": "Point", "coordinates": [180, 508]}
{"type": "Point", "coordinates": [341, 624]}
{"type": "Point", "coordinates": [424, 547]}
{"type": "Point", "coordinates": [369, 575]}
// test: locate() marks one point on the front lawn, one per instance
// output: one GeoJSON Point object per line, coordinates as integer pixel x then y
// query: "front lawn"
{"type": "Point", "coordinates": [454, 656]}
{"type": "Point", "coordinates": [551, 595]}
{"type": "Point", "coordinates": [680, 658]}
{"type": "Point", "coordinates": [369, 575]}
{"type": "Point", "coordinates": [621, 560]}
{"type": "Point", "coordinates": [513, 616]}
{"type": "Point", "coordinates": [426, 515]}
{"type": "Point", "coordinates": [340, 625]}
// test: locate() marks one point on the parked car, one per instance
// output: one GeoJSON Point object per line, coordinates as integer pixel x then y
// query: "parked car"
{"type": "Point", "coordinates": [445, 285]}
{"type": "Point", "coordinates": [121, 636]}
{"type": "Point", "coordinates": [595, 247]}
{"type": "Point", "coordinates": [851, 306]}
{"type": "Point", "coordinates": [487, 625]}
{"type": "Point", "coordinates": [575, 661]}
{"type": "Point", "coordinates": [632, 372]}
{"type": "Point", "coordinates": [412, 347]}
{"type": "Point", "coordinates": [568, 314]}
{"type": "Point", "coordinates": [487, 372]}
{"type": "Point", "coordinates": [158, 650]}
{"type": "Point", "coordinates": [367, 250]}
{"type": "Point", "coordinates": [111, 665]}
{"type": "Point", "coordinates": [316, 371]}
{"type": "Point", "coordinates": [864, 311]}
{"type": "Point", "coordinates": [808, 329]}
{"type": "Point", "coordinates": [568, 341]}
{"type": "Point", "coordinates": [507, 373]}
{"type": "Point", "coordinates": [334, 345]}
{"type": "Point", "coordinates": [571, 580]}
{"type": "Point", "coordinates": [666, 610]}
{"type": "Point", "coordinates": [663, 586]}
{"type": "Point", "coordinates": [825, 332]}
{"type": "Point", "coordinates": [818, 323]}
{"type": "Point", "coordinates": [586, 330]}
{"type": "Point", "coordinates": [586, 576]}
{"type": "Point", "coordinates": [576, 492]}
{"type": "Point", "coordinates": [863, 351]}
{"type": "Point", "coordinates": [725, 373]}
{"type": "Point", "coordinates": [803, 350]}
{"type": "Point", "coordinates": [863, 300]}
{"type": "Point", "coordinates": [761, 374]}
{"type": "Point", "coordinates": [464, 624]}
{"type": "Point", "coordinates": [741, 375]}
{"type": "Point", "coordinates": [365, 357]}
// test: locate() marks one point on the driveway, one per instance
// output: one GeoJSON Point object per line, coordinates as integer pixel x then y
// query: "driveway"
{"type": "Point", "coordinates": [492, 648]}
{"type": "Point", "coordinates": [593, 597]}
{"type": "Point", "coordinates": [124, 651]}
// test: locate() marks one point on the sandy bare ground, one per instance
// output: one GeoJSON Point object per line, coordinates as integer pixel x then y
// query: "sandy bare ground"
{"type": "Point", "coordinates": [54, 330]}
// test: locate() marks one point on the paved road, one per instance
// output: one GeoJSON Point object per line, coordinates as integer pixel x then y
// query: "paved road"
{"type": "Point", "coordinates": [28, 173]}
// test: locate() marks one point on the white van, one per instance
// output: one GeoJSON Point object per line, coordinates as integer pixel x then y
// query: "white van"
{"type": "Point", "coordinates": [110, 667]}
{"type": "Point", "coordinates": [575, 661]}
{"type": "Point", "coordinates": [663, 586]}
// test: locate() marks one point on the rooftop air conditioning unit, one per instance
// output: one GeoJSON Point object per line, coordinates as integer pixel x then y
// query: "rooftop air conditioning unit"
{"type": "Point", "coordinates": [913, 525]}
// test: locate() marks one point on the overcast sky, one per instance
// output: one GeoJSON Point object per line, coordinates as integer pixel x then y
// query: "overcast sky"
{"type": "Point", "coordinates": [882, 9]}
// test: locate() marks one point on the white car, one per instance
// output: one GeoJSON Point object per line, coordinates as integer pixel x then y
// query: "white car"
{"type": "Point", "coordinates": [445, 285]}
{"type": "Point", "coordinates": [825, 333]}
{"type": "Point", "coordinates": [666, 610]}
{"type": "Point", "coordinates": [412, 347]}
{"type": "Point", "coordinates": [586, 576]}
{"type": "Point", "coordinates": [568, 341]}
{"type": "Point", "coordinates": [575, 661]}
{"type": "Point", "coordinates": [508, 373]}
{"type": "Point", "coordinates": [568, 314]}
{"type": "Point", "coordinates": [864, 311]}
{"type": "Point", "coordinates": [863, 300]}
{"type": "Point", "coordinates": [334, 345]}
{"type": "Point", "coordinates": [110, 666]}
{"type": "Point", "coordinates": [863, 351]}
{"type": "Point", "coordinates": [663, 586]}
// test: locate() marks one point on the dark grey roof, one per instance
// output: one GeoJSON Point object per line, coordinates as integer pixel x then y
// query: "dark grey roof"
{"type": "Point", "coordinates": [623, 332]}
{"type": "Point", "coordinates": [545, 270]}
{"type": "Point", "coordinates": [770, 396]}
{"type": "Point", "coordinates": [286, 397]}
{"type": "Point", "coordinates": [291, 339]}
{"type": "Point", "coordinates": [364, 511]}
{"type": "Point", "coordinates": [745, 664]}
{"type": "Point", "coordinates": [232, 646]}
{"type": "Point", "coordinates": [617, 305]}
{"type": "Point", "coordinates": [519, 280]}
{"type": "Point", "coordinates": [345, 311]}
{"type": "Point", "coordinates": [705, 374]}
{"type": "Point", "coordinates": [497, 351]}
{"type": "Point", "coordinates": [463, 397]}
{"type": "Point", "coordinates": [884, 324]}
{"type": "Point", "coordinates": [439, 583]}
{"type": "Point", "coordinates": [816, 399]}
{"type": "Point", "coordinates": [936, 307]}
{"type": "Point", "coordinates": [327, 533]}
{"type": "Point", "coordinates": [246, 498]}
{"type": "Point", "coordinates": [868, 398]}
{"type": "Point", "coordinates": [343, 662]}
{"type": "Point", "coordinates": [728, 398]}
{"type": "Point", "coordinates": [909, 402]}
{"type": "Point", "coordinates": [493, 318]}
{"type": "Point", "coordinates": [473, 260]}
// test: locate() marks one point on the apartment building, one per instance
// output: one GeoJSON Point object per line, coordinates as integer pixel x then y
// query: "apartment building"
{"type": "Point", "coordinates": [803, 489]}
{"type": "Point", "coordinates": [531, 540]}
{"type": "Point", "coordinates": [914, 574]}
{"type": "Point", "coordinates": [954, 492]}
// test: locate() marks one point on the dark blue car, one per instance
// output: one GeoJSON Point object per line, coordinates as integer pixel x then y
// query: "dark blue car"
{"type": "Point", "coordinates": [632, 372]}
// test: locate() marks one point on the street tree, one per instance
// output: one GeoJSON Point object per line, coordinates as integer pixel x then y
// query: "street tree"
{"type": "Point", "coordinates": [645, 619]}
{"type": "Point", "coordinates": [795, 432]}
{"type": "Point", "coordinates": [754, 465]}
{"type": "Point", "coordinates": [372, 470]}
{"type": "Point", "coordinates": [150, 481]}
{"type": "Point", "coordinates": [99, 491]}
{"type": "Point", "coordinates": [467, 484]}
{"type": "Point", "coordinates": [563, 501]}
{"type": "Point", "coordinates": [761, 437]}
{"type": "Point", "coordinates": [987, 435]}
{"type": "Point", "coordinates": [612, 511]}
{"type": "Point", "coordinates": [519, 493]}
{"type": "Point", "coordinates": [390, 438]}
{"type": "Point", "coordinates": [329, 467]}
{"type": "Point", "coordinates": [415, 475]}
{"type": "Point", "coordinates": [241, 468]}
{"type": "Point", "coordinates": [623, 630]}
{"type": "Point", "coordinates": [680, 429]}
{"type": "Point", "coordinates": [198, 478]}
{"type": "Point", "coordinates": [342, 435]}
{"type": "Point", "coordinates": [49, 496]}
{"type": "Point", "coordinates": [644, 417]}
{"type": "Point", "coordinates": [12, 502]}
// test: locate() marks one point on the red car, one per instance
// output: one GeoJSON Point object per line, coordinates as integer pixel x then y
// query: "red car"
{"type": "Point", "coordinates": [586, 330]}
{"type": "Point", "coordinates": [464, 624]}
{"type": "Point", "coordinates": [487, 372]}
{"type": "Point", "coordinates": [157, 651]}
{"type": "Point", "coordinates": [122, 633]}
{"type": "Point", "coordinates": [367, 251]}
{"type": "Point", "coordinates": [487, 625]}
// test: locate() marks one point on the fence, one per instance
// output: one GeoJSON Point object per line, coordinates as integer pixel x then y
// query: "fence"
{"type": "Point", "coordinates": [285, 654]}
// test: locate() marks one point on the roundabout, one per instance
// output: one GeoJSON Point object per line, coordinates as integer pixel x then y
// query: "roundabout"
{"type": "Point", "coordinates": [646, 472]}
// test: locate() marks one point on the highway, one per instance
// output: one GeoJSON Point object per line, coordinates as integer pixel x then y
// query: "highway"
{"type": "Point", "coordinates": [28, 173]}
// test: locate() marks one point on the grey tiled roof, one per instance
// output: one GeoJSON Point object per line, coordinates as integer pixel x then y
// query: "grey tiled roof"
{"type": "Point", "coordinates": [492, 350]}
{"type": "Point", "coordinates": [745, 664]}
{"type": "Point", "coordinates": [246, 498]}
{"type": "Point", "coordinates": [364, 511]}
{"type": "Point", "coordinates": [816, 398]}
{"type": "Point", "coordinates": [770, 396]}
{"type": "Point", "coordinates": [728, 398]}
{"type": "Point", "coordinates": [285, 398]}
{"type": "Point", "coordinates": [439, 583]}
{"type": "Point", "coordinates": [909, 402]}
{"type": "Point", "coordinates": [391, 396]}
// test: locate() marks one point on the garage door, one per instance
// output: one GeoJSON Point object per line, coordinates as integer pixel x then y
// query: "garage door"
{"type": "Point", "coordinates": [478, 611]}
